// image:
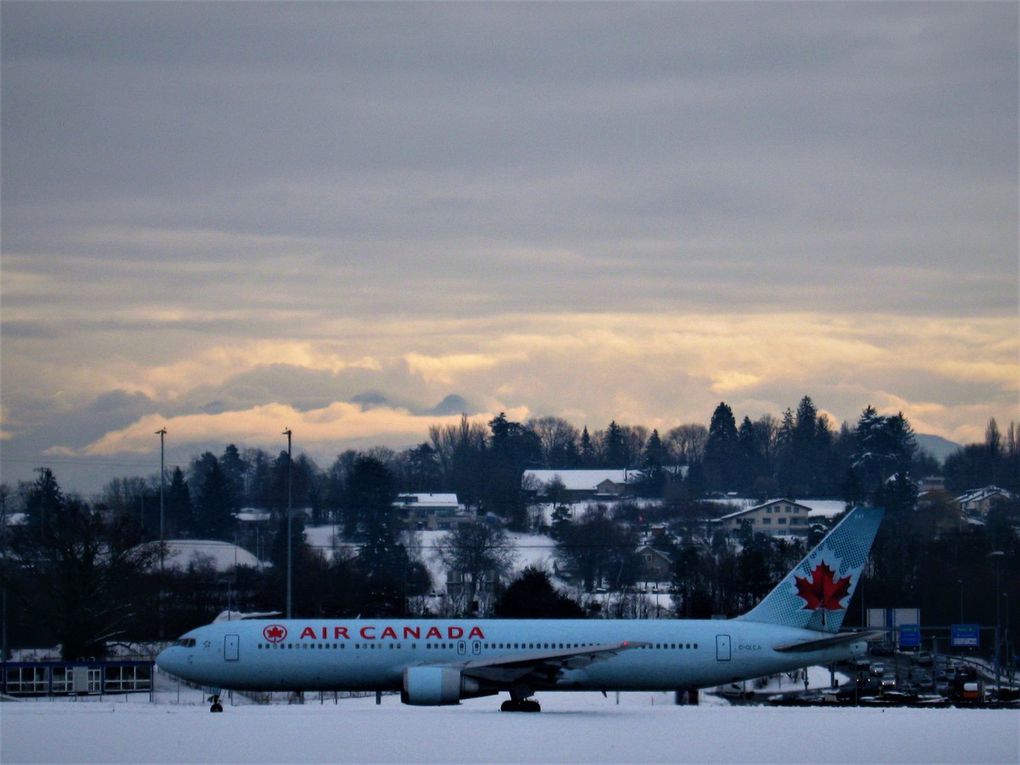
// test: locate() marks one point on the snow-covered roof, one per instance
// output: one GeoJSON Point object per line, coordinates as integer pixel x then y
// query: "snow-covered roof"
{"type": "Point", "coordinates": [747, 510]}
{"type": "Point", "coordinates": [582, 480]}
{"type": "Point", "coordinates": [654, 551]}
{"type": "Point", "coordinates": [253, 515]}
{"type": "Point", "coordinates": [224, 556]}
{"type": "Point", "coordinates": [428, 500]}
{"type": "Point", "coordinates": [976, 495]}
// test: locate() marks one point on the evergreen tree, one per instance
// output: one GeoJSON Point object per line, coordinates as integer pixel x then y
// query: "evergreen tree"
{"type": "Point", "coordinates": [588, 458]}
{"type": "Point", "coordinates": [177, 507]}
{"type": "Point", "coordinates": [616, 447]}
{"type": "Point", "coordinates": [653, 467]}
{"type": "Point", "coordinates": [750, 464]}
{"type": "Point", "coordinates": [44, 501]}
{"type": "Point", "coordinates": [885, 447]}
{"type": "Point", "coordinates": [236, 470]}
{"type": "Point", "coordinates": [721, 450]}
{"type": "Point", "coordinates": [532, 596]}
{"type": "Point", "coordinates": [367, 501]}
{"type": "Point", "coordinates": [214, 504]}
{"type": "Point", "coordinates": [512, 447]}
{"type": "Point", "coordinates": [560, 521]}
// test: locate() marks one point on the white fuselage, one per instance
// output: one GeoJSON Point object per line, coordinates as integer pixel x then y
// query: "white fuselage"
{"type": "Point", "coordinates": [369, 654]}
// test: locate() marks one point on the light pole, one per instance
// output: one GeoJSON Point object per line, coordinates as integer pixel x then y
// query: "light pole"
{"type": "Point", "coordinates": [287, 432]}
{"type": "Point", "coordinates": [162, 546]}
{"type": "Point", "coordinates": [1005, 642]}
{"type": "Point", "coordinates": [997, 555]}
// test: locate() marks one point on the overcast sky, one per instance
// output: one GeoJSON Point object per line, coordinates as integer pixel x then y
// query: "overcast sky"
{"type": "Point", "coordinates": [231, 218]}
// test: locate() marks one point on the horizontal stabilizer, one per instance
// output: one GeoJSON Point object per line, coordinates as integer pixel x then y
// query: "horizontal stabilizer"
{"type": "Point", "coordinates": [828, 642]}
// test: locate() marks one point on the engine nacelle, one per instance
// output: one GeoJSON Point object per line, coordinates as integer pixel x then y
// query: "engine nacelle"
{"type": "Point", "coordinates": [431, 686]}
{"type": "Point", "coordinates": [439, 686]}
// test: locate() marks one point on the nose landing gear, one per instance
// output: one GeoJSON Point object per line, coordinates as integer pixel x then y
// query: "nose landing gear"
{"type": "Point", "coordinates": [216, 705]}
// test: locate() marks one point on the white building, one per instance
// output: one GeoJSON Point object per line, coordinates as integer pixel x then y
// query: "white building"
{"type": "Point", "coordinates": [432, 512]}
{"type": "Point", "coordinates": [582, 484]}
{"type": "Point", "coordinates": [779, 517]}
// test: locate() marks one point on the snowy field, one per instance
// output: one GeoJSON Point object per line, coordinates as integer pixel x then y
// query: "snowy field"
{"type": "Point", "coordinates": [573, 728]}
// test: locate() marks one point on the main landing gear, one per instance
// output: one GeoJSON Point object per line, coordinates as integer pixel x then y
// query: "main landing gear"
{"type": "Point", "coordinates": [216, 705]}
{"type": "Point", "coordinates": [522, 705]}
{"type": "Point", "coordinates": [519, 701]}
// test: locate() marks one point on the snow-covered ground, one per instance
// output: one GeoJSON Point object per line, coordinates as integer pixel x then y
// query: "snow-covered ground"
{"type": "Point", "coordinates": [574, 727]}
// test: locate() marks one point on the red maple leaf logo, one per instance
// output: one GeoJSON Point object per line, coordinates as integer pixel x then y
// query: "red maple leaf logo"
{"type": "Point", "coordinates": [823, 591]}
{"type": "Point", "coordinates": [274, 633]}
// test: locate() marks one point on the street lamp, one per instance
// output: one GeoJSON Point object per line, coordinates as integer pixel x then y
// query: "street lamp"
{"type": "Point", "coordinates": [997, 555]}
{"type": "Point", "coordinates": [162, 546]}
{"type": "Point", "coordinates": [1005, 640]}
{"type": "Point", "coordinates": [287, 432]}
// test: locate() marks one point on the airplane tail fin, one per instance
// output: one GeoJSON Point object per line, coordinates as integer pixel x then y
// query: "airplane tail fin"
{"type": "Point", "coordinates": [816, 593]}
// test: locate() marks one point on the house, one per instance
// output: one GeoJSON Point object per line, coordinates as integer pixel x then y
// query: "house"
{"type": "Point", "coordinates": [980, 501]}
{"type": "Point", "coordinates": [656, 566]}
{"type": "Point", "coordinates": [432, 512]}
{"type": "Point", "coordinates": [779, 517]}
{"type": "Point", "coordinates": [931, 483]}
{"type": "Point", "coordinates": [580, 484]}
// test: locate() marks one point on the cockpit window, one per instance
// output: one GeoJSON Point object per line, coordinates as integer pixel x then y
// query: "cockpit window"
{"type": "Point", "coordinates": [185, 642]}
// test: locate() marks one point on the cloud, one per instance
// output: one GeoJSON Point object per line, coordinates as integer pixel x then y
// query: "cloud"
{"type": "Point", "coordinates": [446, 369]}
{"type": "Point", "coordinates": [260, 425]}
{"type": "Point", "coordinates": [655, 370]}
{"type": "Point", "coordinates": [600, 211]}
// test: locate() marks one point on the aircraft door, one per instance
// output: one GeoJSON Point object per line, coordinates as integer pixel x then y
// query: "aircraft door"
{"type": "Point", "coordinates": [462, 648]}
{"type": "Point", "coordinates": [722, 647]}
{"type": "Point", "coordinates": [231, 646]}
{"type": "Point", "coordinates": [476, 647]}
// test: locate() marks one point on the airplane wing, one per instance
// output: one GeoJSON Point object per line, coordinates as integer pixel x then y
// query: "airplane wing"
{"type": "Point", "coordinates": [828, 641]}
{"type": "Point", "coordinates": [541, 668]}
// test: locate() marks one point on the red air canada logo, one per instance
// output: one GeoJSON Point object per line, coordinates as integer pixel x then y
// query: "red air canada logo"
{"type": "Point", "coordinates": [275, 633]}
{"type": "Point", "coordinates": [823, 591]}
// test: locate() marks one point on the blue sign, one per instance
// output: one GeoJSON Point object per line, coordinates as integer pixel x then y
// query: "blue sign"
{"type": "Point", "coordinates": [909, 636]}
{"type": "Point", "coordinates": [965, 635]}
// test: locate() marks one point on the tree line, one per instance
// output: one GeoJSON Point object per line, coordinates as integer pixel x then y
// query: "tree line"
{"type": "Point", "coordinates": [85, 573]}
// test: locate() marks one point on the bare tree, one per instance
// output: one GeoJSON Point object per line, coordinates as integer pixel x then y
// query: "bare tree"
{"type": "Point", "coordinates": [475, 553]}
{"type": "Point", "coordinates": [686, 443]}
{"type": "Point", "coordinates": [559, 440]}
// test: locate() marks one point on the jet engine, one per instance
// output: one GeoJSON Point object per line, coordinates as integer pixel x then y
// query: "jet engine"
{"type": "Point", "coordinates": [439, 686]}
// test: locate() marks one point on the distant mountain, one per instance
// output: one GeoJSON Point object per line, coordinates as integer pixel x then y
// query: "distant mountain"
{"type": "Point", "coordinates": [370, 400]}
{"type": "Point", "coordinates": [937, 446]}
{"type": "Point", "coordinates": [452, 404]}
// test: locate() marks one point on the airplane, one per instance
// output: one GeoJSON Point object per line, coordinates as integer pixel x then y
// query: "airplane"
{"type": "Point", "coordinates": [442, 662]}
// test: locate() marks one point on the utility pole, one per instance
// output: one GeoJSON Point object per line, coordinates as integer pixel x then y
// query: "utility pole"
{"type": "Point", "coordinates": [162, 541]}
{"type": "Point", "coordinates": [290, 537]}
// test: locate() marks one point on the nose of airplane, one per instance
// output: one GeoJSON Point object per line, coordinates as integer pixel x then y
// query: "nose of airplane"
{"type": "Point", "coordinates": [170, 659]}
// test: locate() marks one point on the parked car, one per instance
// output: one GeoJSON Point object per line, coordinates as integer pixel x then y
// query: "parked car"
{"type": "Point", "coordinates": [881, 648]}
